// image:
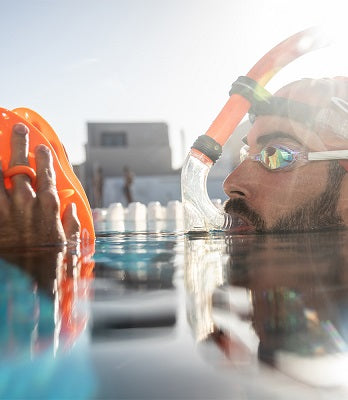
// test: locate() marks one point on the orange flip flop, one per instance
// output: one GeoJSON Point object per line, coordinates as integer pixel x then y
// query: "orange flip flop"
{"type": "Point", "coordinates": [69, 187]}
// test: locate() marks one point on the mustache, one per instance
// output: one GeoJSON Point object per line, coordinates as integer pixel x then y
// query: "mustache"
{"type": "Point", "coordinates": [240, 207]}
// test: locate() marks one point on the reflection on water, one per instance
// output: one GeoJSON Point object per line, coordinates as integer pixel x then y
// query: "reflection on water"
{"type": "Point", "coordinates": [134, 286]}
{"type": "Point", "coordinates": [42, 319]}
{"type": "Point", "coordinates": [173, 316]}
{"type": "Point", "coordinates": [299, 292]}
{"type": "Point", "coordinates": [279, 298]}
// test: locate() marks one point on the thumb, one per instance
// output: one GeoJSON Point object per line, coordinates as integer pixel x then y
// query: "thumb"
{"type": "Point", "coordinates": [71, 223]}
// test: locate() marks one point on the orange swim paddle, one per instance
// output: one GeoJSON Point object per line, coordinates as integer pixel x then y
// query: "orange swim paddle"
{"type": "Point", "coordinates": [69, 187]}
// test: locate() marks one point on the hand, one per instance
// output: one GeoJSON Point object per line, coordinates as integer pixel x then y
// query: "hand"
{"type": "Point", "coordinates": [29, 218]}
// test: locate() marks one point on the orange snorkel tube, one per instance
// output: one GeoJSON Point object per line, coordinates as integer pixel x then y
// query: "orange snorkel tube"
{"type": "Point", "coordinates": [69, 187]}
{"type": "Point", "coordinates": [199, 212]}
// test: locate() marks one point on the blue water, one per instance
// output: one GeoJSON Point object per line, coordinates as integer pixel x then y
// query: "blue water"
{"type": "Point", "coordinates": [172, 316]}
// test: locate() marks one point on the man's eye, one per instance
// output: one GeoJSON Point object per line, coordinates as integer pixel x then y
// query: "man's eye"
{"type": "Point", "coordinates": [274, 157]}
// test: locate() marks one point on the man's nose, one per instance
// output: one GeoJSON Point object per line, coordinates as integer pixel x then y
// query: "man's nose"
{"type": "Point", "coordinates": [236, 183]}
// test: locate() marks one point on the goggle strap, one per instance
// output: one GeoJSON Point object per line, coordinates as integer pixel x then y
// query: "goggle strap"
{"type": "Point", "coordinates": [328, 155]}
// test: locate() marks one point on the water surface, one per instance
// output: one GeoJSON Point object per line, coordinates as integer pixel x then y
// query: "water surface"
{"type": "Point", "coordinates": [172, 316]}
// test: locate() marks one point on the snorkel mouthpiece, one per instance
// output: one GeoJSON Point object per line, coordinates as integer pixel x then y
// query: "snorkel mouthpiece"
{"type": "Point", "coordinates": [200, 214]}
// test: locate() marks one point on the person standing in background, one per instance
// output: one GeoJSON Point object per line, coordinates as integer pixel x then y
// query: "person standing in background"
{"type": "Point", "coordinates": [127, 188]}
{"type": "Point", "coordinates": [98, 182]}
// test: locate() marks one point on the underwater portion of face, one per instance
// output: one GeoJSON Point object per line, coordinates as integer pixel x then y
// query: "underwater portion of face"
{"type": "Point", "coordinates": [276, 188]}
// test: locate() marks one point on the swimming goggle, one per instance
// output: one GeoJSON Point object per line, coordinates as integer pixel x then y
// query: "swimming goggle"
{"type": "Point", "coordinates": [278, 157]}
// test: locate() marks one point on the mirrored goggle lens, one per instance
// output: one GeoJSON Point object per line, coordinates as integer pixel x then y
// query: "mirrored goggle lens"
{"type": "Point", "coordinates": [276, 157]}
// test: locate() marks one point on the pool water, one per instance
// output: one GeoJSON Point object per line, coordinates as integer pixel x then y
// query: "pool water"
{"type": "Point", "coordinates": [173, 316]}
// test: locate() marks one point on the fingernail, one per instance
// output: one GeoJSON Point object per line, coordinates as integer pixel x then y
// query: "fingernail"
{"type": "Point", "coordinates": [42, 147]}
{"type": "Point", "coordinates": [73, 209]}
{"type": "Point", "coordinates": [21, 129]}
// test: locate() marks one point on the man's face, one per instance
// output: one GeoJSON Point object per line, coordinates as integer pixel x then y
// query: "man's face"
{"type": "Point", "coordinates": [301, 198]}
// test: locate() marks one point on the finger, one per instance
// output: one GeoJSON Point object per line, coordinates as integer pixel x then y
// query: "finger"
{"type": "Point", "coordinates": [3, 193]}
{"type": "Point", "coordinates": [45, 174]}
{"type": "Point", "coordinates": [71, 224]}
{"type": "Point", "coordinates": [2, 183]}
{"type": "Point", "coordinates": [46, 191]}
{"type": "Point", "coordinates": [19, 152]}
{"type": "Point", "coordinates": [19, 145]}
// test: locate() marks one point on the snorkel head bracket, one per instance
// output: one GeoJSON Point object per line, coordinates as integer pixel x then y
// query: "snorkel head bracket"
{"type": "Point", "coordinates": [209, 147]}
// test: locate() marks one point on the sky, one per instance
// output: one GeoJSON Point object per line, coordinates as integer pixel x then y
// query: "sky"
{"type": "Point", "coordinates": [173, 61]}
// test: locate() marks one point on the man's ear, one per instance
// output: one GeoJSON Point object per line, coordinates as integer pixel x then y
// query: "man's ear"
{"type": "Point", "coordinates": [342, 205]}
{"type": "Point", "coordinates": [344, 164]}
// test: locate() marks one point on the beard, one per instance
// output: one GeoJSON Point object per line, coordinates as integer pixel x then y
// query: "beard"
{"type": "Point", "coordinates": [318, 213]}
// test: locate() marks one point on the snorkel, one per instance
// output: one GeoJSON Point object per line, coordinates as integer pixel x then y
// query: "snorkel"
{"type": "Point", "coordinates": [200, 214]}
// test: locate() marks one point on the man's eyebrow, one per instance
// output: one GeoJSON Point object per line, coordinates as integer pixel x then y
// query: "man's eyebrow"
{"type": "Point", "coordinates": [262, 140]}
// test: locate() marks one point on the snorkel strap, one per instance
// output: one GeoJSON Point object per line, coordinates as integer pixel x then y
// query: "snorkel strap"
{"type": "Point", "coordinates": [264, 103]}
{"type": "Point", "coordinates": [250, 90]}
